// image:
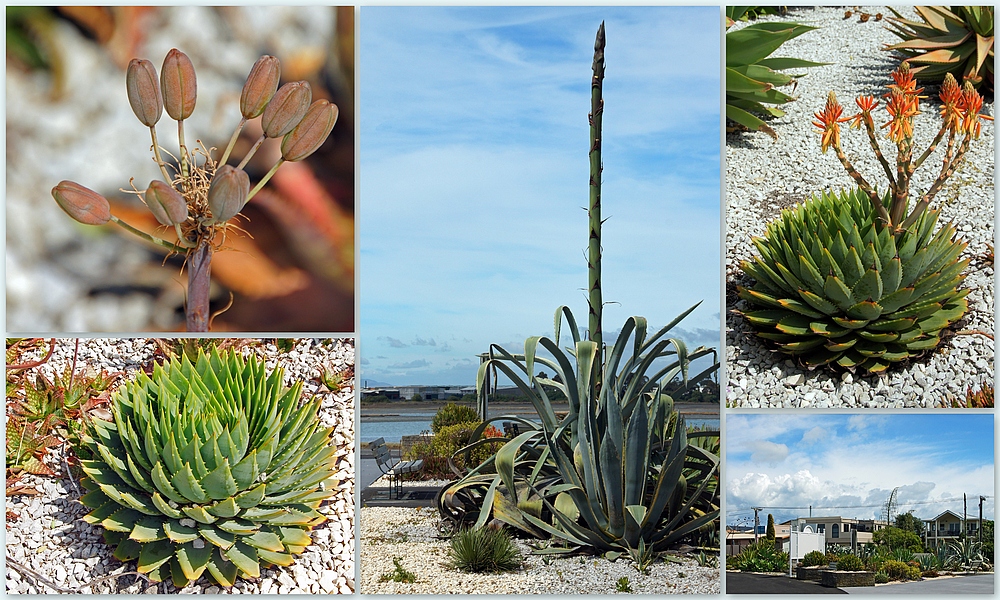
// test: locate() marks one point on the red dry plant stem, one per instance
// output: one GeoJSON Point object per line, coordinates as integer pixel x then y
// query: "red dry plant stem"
{"type": "Point", "coordinates": [930, 149]}
{"type": "Point", "coordinates": [33, 364]}
{"type": "Point", "coordinates": [864, 185]}
{"type": "Point", "coordinates": [199, 264]}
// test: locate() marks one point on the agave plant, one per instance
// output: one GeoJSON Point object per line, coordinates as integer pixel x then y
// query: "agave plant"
{"type": "Point", "coordinates": [619, 472]}
{"type": "Point", "coordinates": [858, 279]}
{"type": "Point", "coordinates": [956, 40]}
{"type": "Point", "coordinates": [208, 465]}
{"type": "Point", "coordinates": [751, 76]}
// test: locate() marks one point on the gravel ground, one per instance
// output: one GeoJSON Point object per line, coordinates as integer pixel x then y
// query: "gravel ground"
{"type": "Point", "coordinates": [763, 176]}
{"type": "Point", "coordinates": [411, 535]}
{"type": "Point", "coordinates": [48, 535]}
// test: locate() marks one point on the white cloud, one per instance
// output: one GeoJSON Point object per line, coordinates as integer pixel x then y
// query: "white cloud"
{"type": "Point", "coordinates": [769, 453]}
{"type": "Point", "coordinates": [814, 435]}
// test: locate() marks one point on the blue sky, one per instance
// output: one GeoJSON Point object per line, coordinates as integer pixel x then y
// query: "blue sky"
{"type": "Point", "coordinates": [829, 460]}
{"type": "Point", "coordinates": [474, 171]}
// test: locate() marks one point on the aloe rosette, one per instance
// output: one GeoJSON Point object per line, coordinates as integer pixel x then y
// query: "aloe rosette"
{"type": "Point", "coordinates": [212, 465]}
{"type": "Point", "coordinates": [832, 285]}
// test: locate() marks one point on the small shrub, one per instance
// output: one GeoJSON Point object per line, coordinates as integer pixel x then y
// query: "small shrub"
{"type": "Point", "coordinates": [484, 550]}
{"type": "Point", "coordinates": [453, 414]}
{"type": "Point", "coordinates": [446, 442]}
{"type": "Point", "coordinates": [929, 574]}
{"type": "Point", "coordinates": [760, 557]}
{"type": "Point", "coordinates": [881, 577]}
{"type": "Point", "coordinates": [399, 574]}
{"type": "Point", "coordinates": [850, 562]}
{"type": "Point", "coordinates": [623, 586]}
{"type": "Point", "coordinates": [814, 559]}
{"type": "Point", "coordinates": [900, 571]}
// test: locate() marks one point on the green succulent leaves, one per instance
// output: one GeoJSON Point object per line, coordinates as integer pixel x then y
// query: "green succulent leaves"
{"type": "Point", "coordinates": [751, 77]}
{"type": "Point", "coordinates": [834, 287]}
{"type": "Point", "coordinates": [208, 466]}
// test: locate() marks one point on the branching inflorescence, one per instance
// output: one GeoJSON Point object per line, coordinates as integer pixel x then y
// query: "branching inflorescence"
{"type": "Point", "coordinates": [198, 195]}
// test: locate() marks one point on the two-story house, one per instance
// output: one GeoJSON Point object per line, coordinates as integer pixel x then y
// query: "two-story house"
{"type": "Point", "coordinates": [945, 528]}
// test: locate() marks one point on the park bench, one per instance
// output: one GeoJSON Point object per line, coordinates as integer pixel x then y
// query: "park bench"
{"type": "Point", "coordinates": [391, 467]}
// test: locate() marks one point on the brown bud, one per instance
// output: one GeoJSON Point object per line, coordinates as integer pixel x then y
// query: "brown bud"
{"type": "Point", "coordinates": [260, 86]}
{"type": "Point", "coordinates": [286, 109]}
{"type": "Point", "coordinates": [144, 91]}
{"type": "Point", "coordinates": [166, 203]}
{"type": "Point", "coordinates": [178, 84]}
{"type": "Point", "coordinates": [311, 131]}
{"type": "Point", "coordinates": [83, 204]}
{"type": "Point", "coordinates": [228, 192]}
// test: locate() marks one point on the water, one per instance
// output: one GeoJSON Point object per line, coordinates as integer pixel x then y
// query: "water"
{"type": "Point", "coordinates": [393, 431]}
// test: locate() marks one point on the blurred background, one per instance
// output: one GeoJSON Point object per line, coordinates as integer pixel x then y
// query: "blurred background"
{"type": "Point", "coordinates": [68, 117]}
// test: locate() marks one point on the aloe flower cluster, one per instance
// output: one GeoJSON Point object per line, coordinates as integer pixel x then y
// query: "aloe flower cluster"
{"type": "Point", "coordinates": [199, 195]}
{"type": "Point", "coordinates": [959, 122]}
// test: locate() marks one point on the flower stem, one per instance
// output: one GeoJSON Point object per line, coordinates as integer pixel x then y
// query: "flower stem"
{"type": "Point", "coordinates": [199, 265]}
{"type": "Point", "coordinates": [159, 158]}
{"type": "Point", "coordinates": [253, 150]}
{"type": "Point", "coordinates": [267, 177]}
{"type": "Point", "coordinates": [232, 142]}
{"type": "Point", "coordinates": [594, 209]}
{"type": "Point", "coordinates": [184, 156]}
{"type": "Point", "coordinates": [155, 240]}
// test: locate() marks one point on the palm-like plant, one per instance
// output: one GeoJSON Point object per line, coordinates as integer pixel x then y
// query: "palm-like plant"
{"type": "Point", "coordinates": [618, 472]}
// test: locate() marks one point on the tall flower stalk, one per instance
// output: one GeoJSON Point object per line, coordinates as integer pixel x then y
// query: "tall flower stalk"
{"type": "Point", "coordinates": [595, 298]}
{"type": "Point", "coordinates": [199, 196]}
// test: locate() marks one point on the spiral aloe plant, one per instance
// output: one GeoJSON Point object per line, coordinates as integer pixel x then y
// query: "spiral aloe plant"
{"type": "Point", "coordinates": [618, 473]}
{"type": "Point", "coordinates": [861, 279]}
{"type": "Point", "coordinates": [212, 465]}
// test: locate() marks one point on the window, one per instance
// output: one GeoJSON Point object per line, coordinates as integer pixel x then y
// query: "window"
{"type": "Point", "coordinates": [836, 530]}
{"type": "Point", "coordinates": [847, 527]}
{"type": "Point", "coordinates": [821, 528]}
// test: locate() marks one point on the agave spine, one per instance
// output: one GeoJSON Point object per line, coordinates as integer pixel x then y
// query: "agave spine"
{"type": "Point", "coordinates": [208, 466]}
{"type": "Point", "coordinates": [833, 285]}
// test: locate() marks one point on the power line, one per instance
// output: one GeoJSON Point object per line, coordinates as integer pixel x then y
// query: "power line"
{"type": "Point", "coordinates": [914, 503]}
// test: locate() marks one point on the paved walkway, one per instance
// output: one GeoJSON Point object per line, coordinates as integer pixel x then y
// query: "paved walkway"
{"type": "Point", "coordinates": [760, 583]}
{"type": "Point", "coordinates": [966, 584]}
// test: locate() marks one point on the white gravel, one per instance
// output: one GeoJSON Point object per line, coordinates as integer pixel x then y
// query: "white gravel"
{"type": "Point", "coordinates": [411, 534]}
{"type": "Point", "coordinates": [48, 535]}
{"type": "Point", "coordinates": [763, 176]}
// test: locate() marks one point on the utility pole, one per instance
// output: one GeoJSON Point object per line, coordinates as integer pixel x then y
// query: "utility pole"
{"type": "Point", "coordinates": [981, 500]}
{"type": "Point", "coordinates": [965, 517]}
{"type": "Point", "coordinates": [756, 522]}
{"type": "Point", "coordinates": [810, 511]}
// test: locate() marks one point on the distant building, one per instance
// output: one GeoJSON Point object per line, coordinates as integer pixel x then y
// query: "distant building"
{"type": "Point", "coordinates": [841, 531]}
{"type": "Point", "coordinates": [945, 528]}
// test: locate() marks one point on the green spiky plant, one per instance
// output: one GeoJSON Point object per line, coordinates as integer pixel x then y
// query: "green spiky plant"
{"type": "Point", "coordinates": [619, 473]}
{"type": "Point", "coordinates": [956, 40]}
{"type": "Point", "coordinates": [212, 465]}
{"type": "Point", "coordinates": [858, 279]}
{"type": "Point", "coordinates": [752, 74]}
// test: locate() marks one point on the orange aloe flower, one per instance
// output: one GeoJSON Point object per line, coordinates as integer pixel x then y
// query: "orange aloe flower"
{"type": "Point", "coordinates": [902, 107]}
{"type": "Point", "coordinates": [829, 121]}
{"type": "Point", "coordinates": [970, 105]}
{"type": "Point", "coordinates": [867, 104]}
{"type": "Point", "coordinates": [952, 112]}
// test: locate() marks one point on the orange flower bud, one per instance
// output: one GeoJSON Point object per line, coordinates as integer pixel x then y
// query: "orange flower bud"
{"type": "Point", "coordinates": [144, 91]}
{"type": "Point", "coordinates": [83, 204]}
{"type": "Point", "coordinates": [311, 131]}
{"type": "Point", "coordinates": [228, 192]}
{"type": "Point", "coordinates": [286, 109]}
{"type": "Point", "coordinates": [178, 84]}
{"type": "Point", "coordinates": [166, 203]}
{"type": "Point", "coordinates": [260, 86]}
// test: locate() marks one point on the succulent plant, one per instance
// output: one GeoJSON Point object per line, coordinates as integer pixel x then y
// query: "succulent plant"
{"type": "Point", "coordinates": [202, 194]}
{"type": "Point", "coordinates": [855, 279]}
{"type": "Point", "coordinates": [751, 76]}
{"type": "Point", "coordinates": [212, 465]}
{"type": "Point", "coordinates": [956, 40]}
{"type": "Point", "coordinates": [619, 472]}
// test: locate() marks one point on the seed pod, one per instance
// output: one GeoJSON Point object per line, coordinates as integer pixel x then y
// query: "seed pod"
{"type": "Point", "coordinates": [178, 84]}
{"type": "Point", "coordinates": [260, 86]}
{"type": "Point", "coordinates": [166, 203]}
{"type": "Point", "coordinates": [311, 131]}
{"type": "Point", "coordinates": [144, 91]}
{"type": "Point", "coordinates": [286, 109]}
{"type": "Point", "coordinates": [83, 204]}
{"type": "Point", "coordinates": [228, 192]}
